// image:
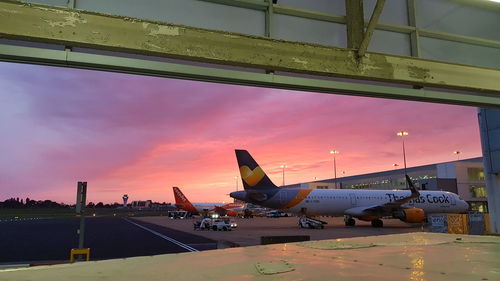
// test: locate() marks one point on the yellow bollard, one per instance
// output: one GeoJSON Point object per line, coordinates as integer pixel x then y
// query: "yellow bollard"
{"type": "Point", "coordinates": [487, 223]}
{"type": "Point", "coordinates": [73, 252]}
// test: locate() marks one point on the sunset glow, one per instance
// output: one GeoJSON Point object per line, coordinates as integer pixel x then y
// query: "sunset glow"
{"type": "Point", "coordinates": [140, 136]}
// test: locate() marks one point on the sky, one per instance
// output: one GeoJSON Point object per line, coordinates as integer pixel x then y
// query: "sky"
{"type": "Point", "coordinates": [138, 135]}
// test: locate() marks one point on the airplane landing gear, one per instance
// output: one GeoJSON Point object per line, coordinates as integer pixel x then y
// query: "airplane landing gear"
{"type": "Point", "coordinates": [350, 222]}
{"type": "Point", "coordinates": [377, 223]}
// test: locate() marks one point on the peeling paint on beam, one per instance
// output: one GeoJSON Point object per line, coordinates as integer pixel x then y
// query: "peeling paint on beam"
{"type": "Point", "coordinates": [69, 27]}
{"type": "Point", "coordinates": [22, 54]}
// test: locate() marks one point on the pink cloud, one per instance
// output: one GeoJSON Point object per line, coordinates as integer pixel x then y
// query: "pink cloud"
{"type": "Point", "coordinates": [142, 135]}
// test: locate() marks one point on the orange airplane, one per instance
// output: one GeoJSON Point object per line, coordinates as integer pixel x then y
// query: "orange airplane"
{"type": "Point", "coordinates": [230, 209]}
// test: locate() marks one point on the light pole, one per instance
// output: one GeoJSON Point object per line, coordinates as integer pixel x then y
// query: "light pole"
{"type": "Point", "coordinates": [402, 134]}
{"type": "Point", "coordinates": [334, 152]}
{"type": "Point", "coordinates": [458, 154]}
{"type": "Point", "coordinates": [395, 165]}
{"type": "Point", "coordinates": [283, 166]}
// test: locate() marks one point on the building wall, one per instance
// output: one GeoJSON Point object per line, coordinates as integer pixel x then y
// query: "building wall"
{"type": "Point", "coordinates": [465, 178]}
{"type": "Point", "coordinates": [321, 185]}
{"type": "Point", "coordinates": [446, 185]}
{"type": "Point", "coordinates": [471, 185]}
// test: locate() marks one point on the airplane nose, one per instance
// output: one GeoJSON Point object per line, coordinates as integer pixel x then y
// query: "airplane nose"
{"type": "Point", "coordinates": [465, 205]}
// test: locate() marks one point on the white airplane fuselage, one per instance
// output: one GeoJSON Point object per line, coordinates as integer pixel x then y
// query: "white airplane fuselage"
{"type": "Point", "coordinates": [370, 205]}
{"type": "Point", "coordinates": [334, 202]}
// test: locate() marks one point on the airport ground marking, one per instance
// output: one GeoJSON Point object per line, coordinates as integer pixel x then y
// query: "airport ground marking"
{"type": "Point", "coordinates": [187, 247]}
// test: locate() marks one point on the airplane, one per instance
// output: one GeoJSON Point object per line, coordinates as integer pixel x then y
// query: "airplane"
{"type": "Point", "coordinates": [366, 205]}
{"type": "Point", "coordinates": [230, 209]}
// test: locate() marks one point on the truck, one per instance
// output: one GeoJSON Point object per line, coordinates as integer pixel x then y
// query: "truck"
{"type": "Point", "coordinates": [221, 224]}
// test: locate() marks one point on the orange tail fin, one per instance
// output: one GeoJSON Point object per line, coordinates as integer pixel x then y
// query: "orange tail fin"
{"type": "Point", "coordinates": [182, 202]}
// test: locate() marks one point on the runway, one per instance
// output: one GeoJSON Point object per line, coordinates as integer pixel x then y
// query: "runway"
{"type": "Point", "coordinates": [50, 240]}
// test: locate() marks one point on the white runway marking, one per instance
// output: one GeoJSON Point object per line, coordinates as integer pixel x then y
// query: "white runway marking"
{"type": "Point", "coordinates": [180, 244]}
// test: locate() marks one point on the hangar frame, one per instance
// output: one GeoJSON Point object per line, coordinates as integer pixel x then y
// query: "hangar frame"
{"type": "Point", "coordinates": [135, 45]}
{"type": "Point", "coordinates": [85, 29]}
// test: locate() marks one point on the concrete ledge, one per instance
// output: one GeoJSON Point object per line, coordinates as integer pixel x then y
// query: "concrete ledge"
{"type": "Point", "coordinates": [411, 256]}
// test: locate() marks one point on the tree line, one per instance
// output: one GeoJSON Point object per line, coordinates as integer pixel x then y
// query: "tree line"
{"type": "Point", "coordinates": [16, 203]}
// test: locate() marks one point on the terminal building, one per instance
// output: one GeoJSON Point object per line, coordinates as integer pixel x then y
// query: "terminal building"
{"type": "Point", "coordinates": [463, 177]}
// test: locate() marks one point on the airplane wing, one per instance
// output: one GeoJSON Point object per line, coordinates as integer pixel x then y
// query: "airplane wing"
{"type": "Point", "coordinates": [386, 209]}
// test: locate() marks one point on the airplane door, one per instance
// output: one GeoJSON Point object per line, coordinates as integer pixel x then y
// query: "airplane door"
{"type": "Point", "coordinates": [453, 200]}
{"type": "Point", "coordinates": [353, 199]}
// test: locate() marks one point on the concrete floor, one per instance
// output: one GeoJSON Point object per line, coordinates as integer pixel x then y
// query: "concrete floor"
{"type": "Point", "coordinates": [417, 256]}
{"type": "Point", "coordinates": [249, 231]}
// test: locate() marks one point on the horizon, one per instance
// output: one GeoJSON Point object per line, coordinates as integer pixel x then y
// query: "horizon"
{"type": "Point", "coordinates": [140, 135]}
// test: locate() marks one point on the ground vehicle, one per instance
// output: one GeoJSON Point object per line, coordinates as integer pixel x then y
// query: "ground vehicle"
{"type": "Point", "coordinates": [221, 224]}
{"type": "Point", "coordinates": [204, 224]}
{"type": "Point", "coordinates": [231, 222]}
{"type": "Point", "coordinates": [305, 222]}
{"type": "Point", "coordinates": [177, 214]}
{"type": "Point", "coordinates": [215, 224]}
{"type": "Point", "coordinates": [276, 214]}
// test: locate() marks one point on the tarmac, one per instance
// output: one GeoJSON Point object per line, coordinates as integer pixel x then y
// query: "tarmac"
{"type": "Point", "coordinates": [50, 240]}
{"type": "Point", "coordinates": [249, 231]}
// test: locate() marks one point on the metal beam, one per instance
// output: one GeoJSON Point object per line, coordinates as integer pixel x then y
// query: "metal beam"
{"type": "Point", "coordinates": [269, 19]}
{"type": "Point", "coordinates": [459, 38]}
{"type": "Point", "coordinates": [308, 14]}
{"type": "Point", "coordinates": [68, 27]}
{"type": "Point", "coordinates": [355, 23]}
{"type": "Point", "coordinates": [412, 21]}
{"type": "Point", "coordinates": [313, 15]}
{"type": "Point", "coordinates": [206, 74]}
{"type": "Point", "coordinates": [377, 11]}
{"type": "Point", "coordinates": [248, 4]}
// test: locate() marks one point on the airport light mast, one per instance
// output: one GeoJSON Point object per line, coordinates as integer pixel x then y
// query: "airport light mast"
{"type": "Point", "coordinates": [402, 134]}
{"type": "Point", "coordinates": [283, 166]}
{"type": "Point", "coordinates": [334, 152]}
{"type": "Point", "coordinates": [457, 153]}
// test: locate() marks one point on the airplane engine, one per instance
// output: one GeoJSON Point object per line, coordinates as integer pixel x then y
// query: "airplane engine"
{"type": "Point", "coordinates": [410, 215]}
{"type": "Point", "coordinates": [231, 213]}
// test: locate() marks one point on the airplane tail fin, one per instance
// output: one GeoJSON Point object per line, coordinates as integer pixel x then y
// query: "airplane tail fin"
{"type": "Point", "coordinates": [414, 191]}
{"type": "Point", "coordinates": [182, 202]}
{"type": "Point", "coordinates": [252, 175]}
